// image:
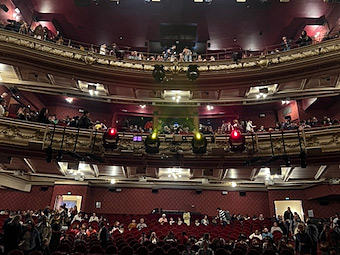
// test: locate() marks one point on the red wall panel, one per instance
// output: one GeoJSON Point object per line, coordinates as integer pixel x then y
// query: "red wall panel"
{"type": "Point", "coordinates": [17, 200]}
{"type": "Point", "coordinates": [142, 201]}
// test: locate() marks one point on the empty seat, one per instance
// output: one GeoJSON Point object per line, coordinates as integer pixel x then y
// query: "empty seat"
{"type": "Point", "coordinates": [95, 249]}
{"type": "Point", "coordinates": [111, 250]}
{"type": "Point", "coordinates": [16, 252]}
{"type": "Point", "coordinates": [173, 251]}
{"type": "Point", "coordinates": [142, 250]}
{"type": "Point", "coordinates": [158, 251]}
{"type": "Point", "coordinates": [127, 250]}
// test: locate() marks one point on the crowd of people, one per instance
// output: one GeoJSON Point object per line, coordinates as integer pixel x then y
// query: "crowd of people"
{"type": "Point", "coordinates": [169, 54]}
{"type": "Point", "coordinates": [44, 230]}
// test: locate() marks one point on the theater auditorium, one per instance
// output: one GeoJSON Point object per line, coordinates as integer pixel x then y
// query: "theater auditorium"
{"type": "Point", "coordinates": [169, 127]}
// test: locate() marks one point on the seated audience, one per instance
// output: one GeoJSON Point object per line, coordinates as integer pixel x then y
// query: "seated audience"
{"type": "Point", "coordinates": [197, 223]}
{"type": "Point", "coordinates": [90, 231]}
{"type": "Point", "coordinates": [304, 39]}
{"type": "Point", "coordinates": [170, 237]}
{"type": "Point", "coordinates": [142, 238]}
{"type": "Point", "coordinates": [94, 217]}
{"type": "Point", "coordinates": [256, 234]}
{"type": "Point", "coordinates": [132, 225]}
{"type": "Point", "coordinates": [171, 221]}
{"type": "Point", "coordinates": [163, 219]}
{"type": "Point", "coordinates": [266, 233]}
{"type": "Point", "coordinates": [275, 227]}
{"type": "Point", "coordinates": [179, 222]}
{"type": "Point", "coordinates": [153, 238]}
{"type": "Point", "coordinates": [141, 224]}
{"type": "Point", "coordinates": [205, 220]}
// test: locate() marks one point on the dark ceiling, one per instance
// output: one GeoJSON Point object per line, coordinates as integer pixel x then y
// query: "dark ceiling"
{"type": "Point", "coordinates": [223, 23]}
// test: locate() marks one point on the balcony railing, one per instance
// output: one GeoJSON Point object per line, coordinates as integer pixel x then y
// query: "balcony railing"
{"type": "Point", "coordinates": [34, 136]}
{"type": "Point", "coordinates": [323, 49]}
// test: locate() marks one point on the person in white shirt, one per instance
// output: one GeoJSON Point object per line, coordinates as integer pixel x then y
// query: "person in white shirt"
{"type": "Point", "coordinates": [275, 227]}
{"type": "Point", "coordinates": [77, 217]}
{"type": "Point", "coordinates": [2, 107]}
{"type": "Point", "coordinates": [172, 222]}
{"type": "Point", "coordinates": [102, 49]}
{"type": "Point", "coordinates": [205, 220]}
{"type": "Point", "coordinates": [94, 217]}
{"type": "Point", "coordinates": [197, 223]}
{"type": "Point", "coordinates": [163, 219]}
{"type": "Point", "coordinates": [250, 127]}
{"type": "Point", "coordinates": [256, 234]}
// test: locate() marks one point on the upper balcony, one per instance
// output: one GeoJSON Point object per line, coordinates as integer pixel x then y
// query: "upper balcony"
{"type": "Point", "coordinates": [299, 73]}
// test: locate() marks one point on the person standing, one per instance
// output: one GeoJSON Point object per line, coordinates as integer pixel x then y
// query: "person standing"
{"type": "Point", "coordinates": [12, 234]}
{"type": "Point", "coordinates": [303, 242]}
{"type": "Point", "coordinates": [288, 218]}
{"type": "Point", "coordinates": [222, 216]}
{"type": "Point", "coordinates": [30, 238]}
{"type": "Point", "coordinates": [85, 121]}
{"type": "Point", "coordinates": [313, 233]}
{"type": "Point", "coordinates": [186, 218]}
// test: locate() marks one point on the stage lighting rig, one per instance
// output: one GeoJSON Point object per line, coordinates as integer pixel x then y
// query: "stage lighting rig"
{"type": "Point", "coordinates": [199, 144]}
{"type": "Point", "coordinates": [193, 72]}
{"type": "Point", "coordinates": [158, 73]}
{"type": "Point", "coordinates": [236, 141]}
{"type": "Point", "coordinates": [110, 139]}
{"type": "Point", "coordinates": [152, 143]}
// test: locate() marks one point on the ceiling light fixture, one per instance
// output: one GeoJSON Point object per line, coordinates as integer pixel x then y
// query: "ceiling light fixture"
{"type": "Point", "coordinates": [113, 181]}
{"type": "Point", "coordinates": [233, 184]}
{"type": "Point", "coordinates": [210, 107]}
{"type": "Point", "coordinates": [176, 98]}
{"type": "Point", "coordinates": [142, 106]}
{"type": "Point", "coordinates": [285, 102]}
{"type": "Point", "coordinates": [69, 100]}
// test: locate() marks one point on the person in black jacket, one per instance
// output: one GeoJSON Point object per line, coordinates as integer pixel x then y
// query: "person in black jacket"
{"type": "Point", "coordinates": [85, 121]}
{"type": "Point", "coordinates": [288, 218]}
{"type": "Point", "coordinates": [303, 242]}
{"type": "Point", "coordinates": [12, 234]}
{"type": "Point", "coordinates": [103, 234]}
{"type": "Point", "coordinates": [42, 117]}
{"type": "Point", "coordinates": [313, 233]}
{"type": "Point", "coordinates": [304, 39]}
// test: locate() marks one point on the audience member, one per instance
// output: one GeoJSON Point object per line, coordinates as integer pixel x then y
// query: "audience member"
{"type": "Point", "coordinates": [141, 224]}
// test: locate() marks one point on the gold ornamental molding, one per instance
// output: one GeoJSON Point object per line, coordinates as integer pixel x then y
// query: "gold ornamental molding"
{"type": "Point", "coordinates": [322, 57]}
{"type": "Point", "coordinates": [35, 136]}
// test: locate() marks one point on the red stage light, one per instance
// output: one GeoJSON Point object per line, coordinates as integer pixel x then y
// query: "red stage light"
{"type": "Point", "coordinates": [235, 134]}
{"type": "Point", "coordinates": [113, 131]}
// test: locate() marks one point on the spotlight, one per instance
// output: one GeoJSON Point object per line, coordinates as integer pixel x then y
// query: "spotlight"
{"type": "Point", "coordinates": [193, 72]}
{"type": "Point", "coordinates": [199, 143]}
{"type": "Point", "coordinates": [233, 184]}
{"type": "Point", "coordinates": [152, 143]}
{"type": "Point", "coordinates": [110, 139]}
{"type": "Point", "coordinates": [158, 73]}
{"type": "Point", "coordinates": [236, 141]}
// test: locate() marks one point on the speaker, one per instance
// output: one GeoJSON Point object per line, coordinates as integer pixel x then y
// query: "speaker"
{"type": "Point", "coordinates": [4, 7]}
{"type": "Point", "coordinates": [155, 191]}
{"type": "Point", "coordinates": [112, 189]}
{"type": "Point", "coordinates": [243, 193]}
{"type": "Point", "coordinates": [324, 202]}
{"type": "Point", "coordinates": [44, 188]}
{"type": "Point", "coordinates": [198, 191]}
